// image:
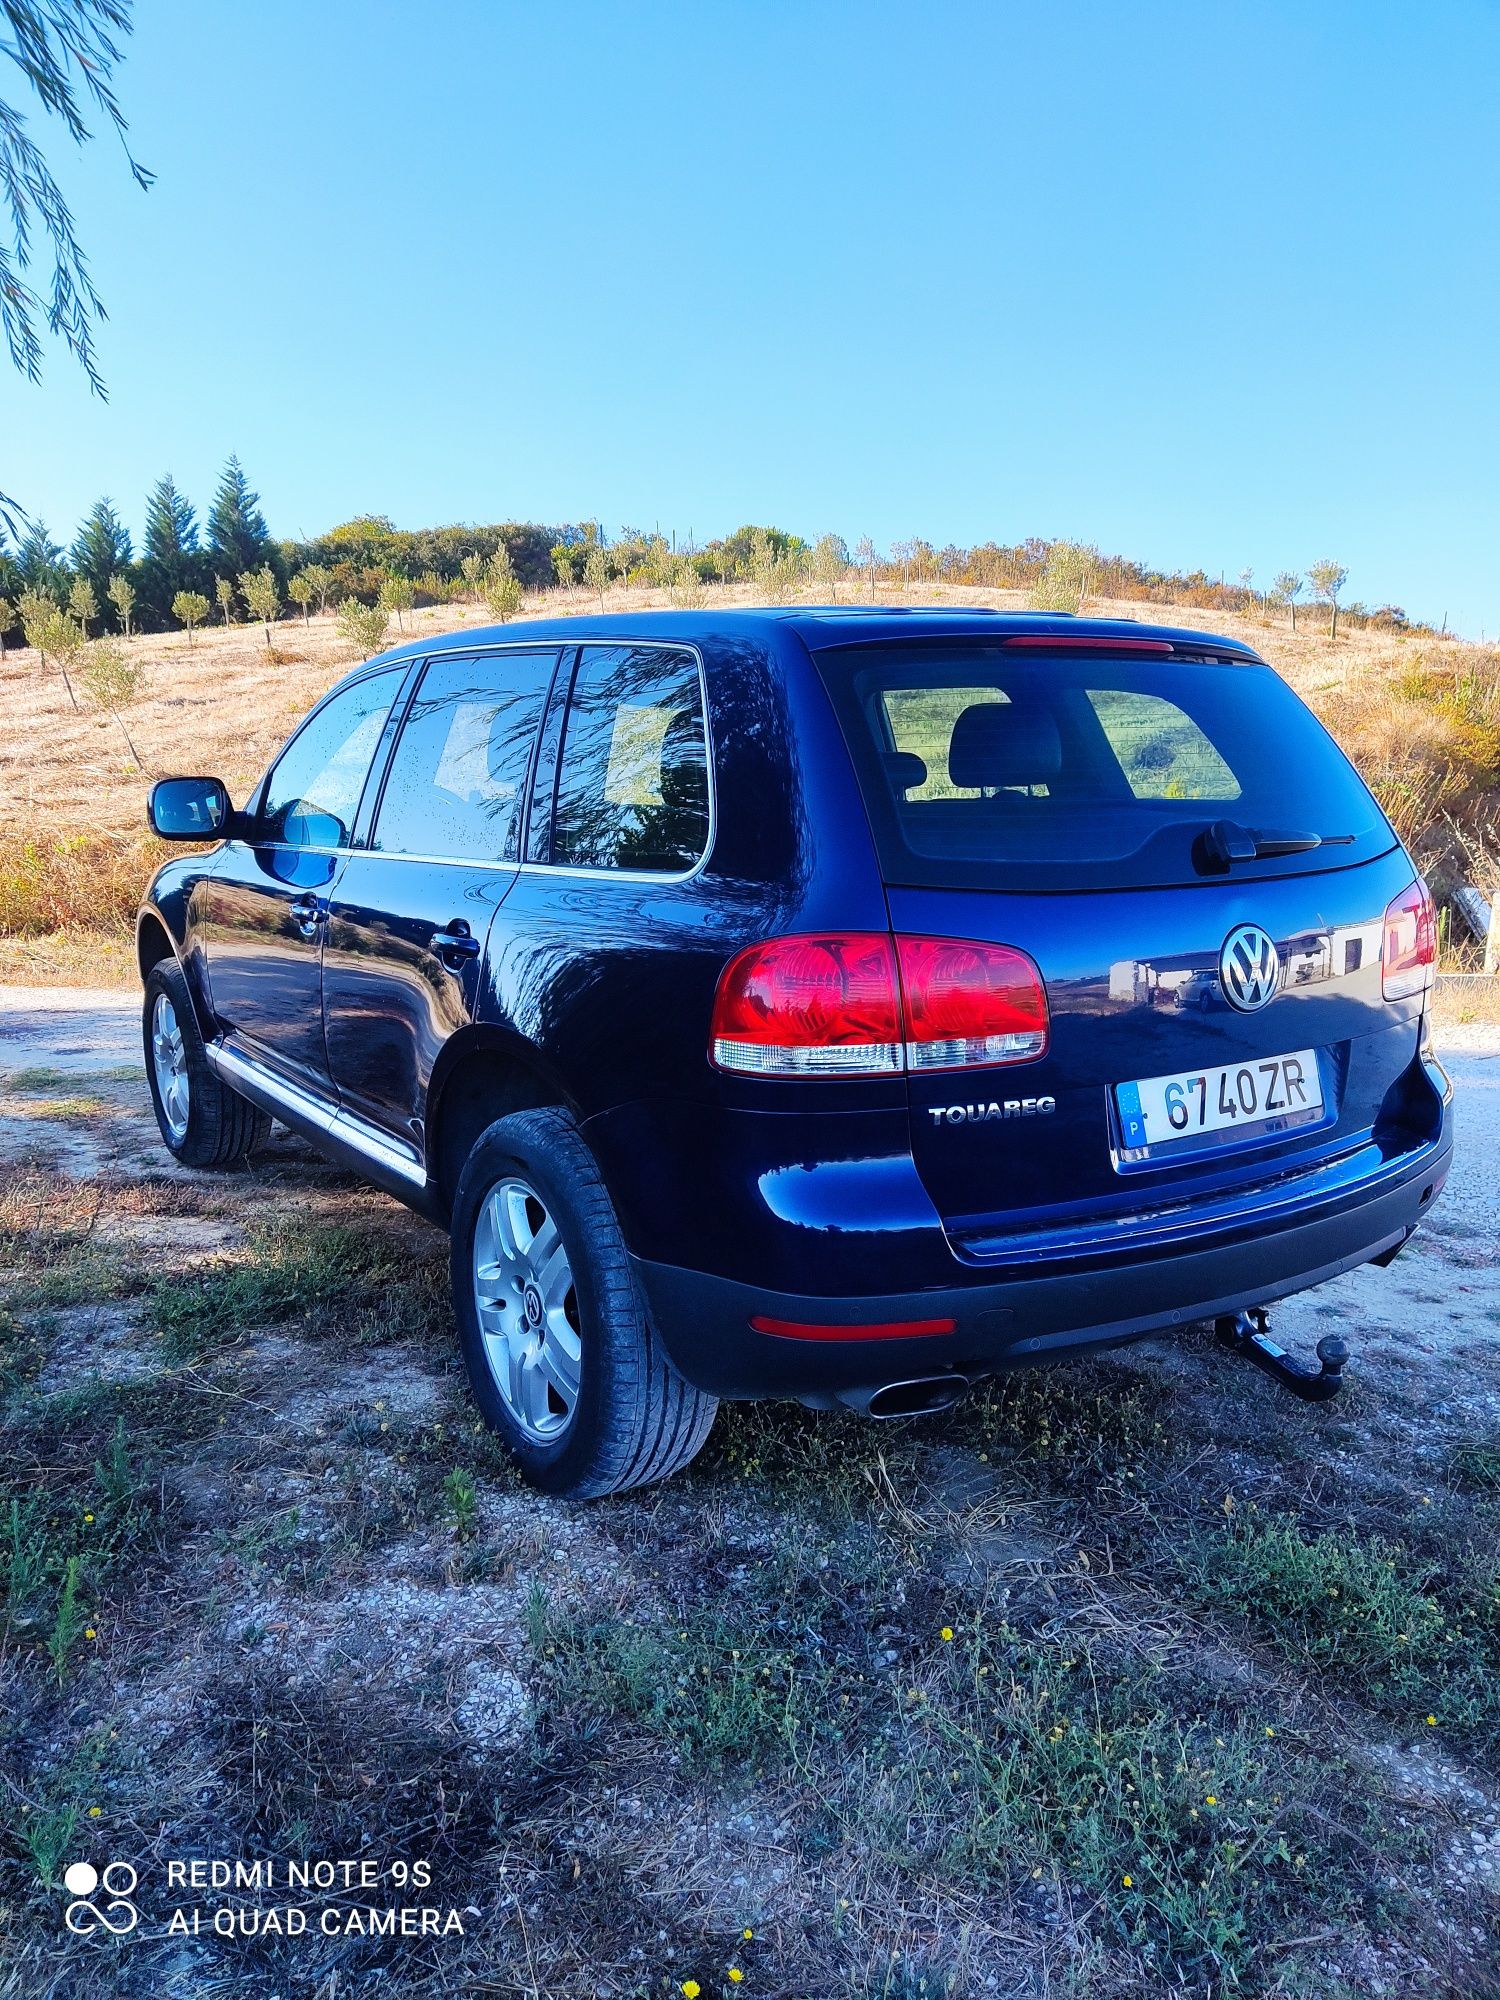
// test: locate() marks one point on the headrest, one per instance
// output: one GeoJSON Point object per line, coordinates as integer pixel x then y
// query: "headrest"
{"type": "Point", "coordinates": [906, 770]}
{"type": "Point", "coordinates": [1003, 743]}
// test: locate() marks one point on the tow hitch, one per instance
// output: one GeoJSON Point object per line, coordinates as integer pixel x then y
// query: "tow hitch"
{"type": "Point", "coordinates": [1245, 1333]}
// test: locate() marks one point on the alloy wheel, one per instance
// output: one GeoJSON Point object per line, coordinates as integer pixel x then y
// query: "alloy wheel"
{"type": "Point", "coordinates": [169, 1062]}
{"type": "Point", "coordinates": [527, 1306]}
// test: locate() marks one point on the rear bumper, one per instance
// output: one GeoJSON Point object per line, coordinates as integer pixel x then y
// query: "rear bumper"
{"type": "Point", "coordinates": [1035, 1311]}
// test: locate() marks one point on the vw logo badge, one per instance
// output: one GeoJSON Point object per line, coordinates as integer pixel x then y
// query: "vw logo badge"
{"type": "Point", "coordinates": [1249, 969]}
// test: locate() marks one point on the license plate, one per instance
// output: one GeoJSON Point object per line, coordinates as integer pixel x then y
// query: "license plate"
{"type": "Point", "coordinates": [1218, 1107]}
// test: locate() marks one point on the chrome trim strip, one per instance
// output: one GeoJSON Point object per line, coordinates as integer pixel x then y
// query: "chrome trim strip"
{"type": "Point", "coordinates": [277, 1095]}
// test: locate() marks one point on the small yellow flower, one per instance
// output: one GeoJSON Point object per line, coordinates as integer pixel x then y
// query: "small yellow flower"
{"type": "Point", "coordinates": [1128, 1880]}
{"type": "Point", "coordinates": [735, 1975]}
{"type": "Point", "coordinates": [1432, 1722]}
{"type": "Point", "coordinates": [691, 1989]}
{"type": "Point", "coordinates": [1210, 1800]}
{"type": "Point", "coordinates": [94, 1811]}
{"type": "Point", "coordinates": [946, 1633]}
{"type": "Point", "coordinates": [1269, 1730]}
{"type": "Point", "coordinates": [89, 1632]}
{"type": "Point", "coordinates": [87, 1518]}
{"type": "Point", "coordinates": [747, 1932]}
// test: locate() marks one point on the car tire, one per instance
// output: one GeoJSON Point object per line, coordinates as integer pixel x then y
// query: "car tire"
{"type": "Point", "coordinates": [561, 1354]}
{"type": "Point", "coordinates": [202, 1121]}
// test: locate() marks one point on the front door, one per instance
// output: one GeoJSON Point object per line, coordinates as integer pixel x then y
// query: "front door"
{"type": "Point", "coordinates": [266, 902]}
{"type": "Point", "coordinates": [410, 914]}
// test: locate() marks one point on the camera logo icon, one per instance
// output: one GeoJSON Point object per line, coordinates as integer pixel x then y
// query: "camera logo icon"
{"type": "Point", "coordinates": [114, 1911]}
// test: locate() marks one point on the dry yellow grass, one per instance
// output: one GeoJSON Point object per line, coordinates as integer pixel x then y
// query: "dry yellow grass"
{"type": "Point", "coordinates": [1420, 716]}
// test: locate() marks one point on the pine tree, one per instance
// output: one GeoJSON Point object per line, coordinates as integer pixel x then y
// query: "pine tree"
{"type": "Point", "coordinates": [102, 546]}
{"type": "Point", "coordinates": [238, 539]}
{"type": "Point", "coordinates": [170, 560]}
{"type": "Point", "coordinates": [40, 561]}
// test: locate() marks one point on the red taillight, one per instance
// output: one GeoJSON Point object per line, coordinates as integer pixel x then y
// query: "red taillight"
{"type": "Point", "coordinates": [803, 1006]}
{"type": "Point", "coordinates": [969, 1005]}
{"type": "Point", "coordinates": [887, 1329]}
{"type": "Point", "coordinates": [1409, 949]}
{"type": "Point", "coordinates": [833, 1005]}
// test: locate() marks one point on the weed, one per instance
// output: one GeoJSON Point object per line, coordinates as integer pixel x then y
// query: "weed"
{"type": "Point", "coordinates": [1334, 1597]}
{"type": "Point", "coordinates": [462, 1496]}
{"type": "Point", "coordinates": [68, 1623]}
{"type": "Point", "coordinates": [1475, 1462]}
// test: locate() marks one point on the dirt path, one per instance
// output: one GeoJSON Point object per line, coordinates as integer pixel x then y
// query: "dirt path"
{"type": "Point", "coordinates": [851, 1709]}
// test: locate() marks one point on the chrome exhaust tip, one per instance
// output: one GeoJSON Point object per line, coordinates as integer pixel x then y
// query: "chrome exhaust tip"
{"type": "Point", "coordinates": [922, 1396]}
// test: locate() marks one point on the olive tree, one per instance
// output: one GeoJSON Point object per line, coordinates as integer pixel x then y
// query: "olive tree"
{"type": "Point", "coordinates": [82, 602]}
{"type": "Point", "coordinates": [1286, 589]}
{"type": "Point", "coordinates": [1064, 582]}
{"type": "Point", "coordinates": [301, 590]}
{"type": "Point", "coordinates": [224, 592]}
{"type": "Point", "coordinates": [398, 594]}
{"type": "Point", "coordinates": [596, 571]}
{"type": "Point", "coordinates": [121, 593]}
{"type": "Point", "coordinates": [262, 598]}
{"type": "Point", "coordinates": [321, 580]}
{"type": "Point", "coordinates": [866, 556]}
{"type": "Point", "coordinates": [54, 635]}
{"type": "Point", "coordinates": [1326, 579]}
{"type": "Point", "coordinates": [363, 625]}
{"type": "Point", "coordinates": [830, 564]}
{"type": "Point", "coordinates": [111, 681]}
{"type": "Point", "coordinates": [190, 608]}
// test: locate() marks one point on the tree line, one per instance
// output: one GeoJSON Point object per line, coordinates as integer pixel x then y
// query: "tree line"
{"type": "Point", "coordinates": [232, 569]}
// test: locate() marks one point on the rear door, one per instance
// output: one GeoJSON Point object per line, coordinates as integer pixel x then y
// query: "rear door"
{"type": "Point", "coordinates": [266, 903]}
{"type": "Point", "coordinates": [407, 925]}
{"type": "Point", "coordinates": [1212, 1019]}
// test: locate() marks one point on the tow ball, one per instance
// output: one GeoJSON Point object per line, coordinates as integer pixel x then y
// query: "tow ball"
{"type": "Point", "coordinates": [1245, 1333]}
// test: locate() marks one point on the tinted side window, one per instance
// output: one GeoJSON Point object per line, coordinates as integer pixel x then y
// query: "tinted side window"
{"type": "Point", "coordinates": [457, 778]}
{"type": "Point", "coordinates": [632, 788]}
{"type": "Point", "coordinates": [314, 788]}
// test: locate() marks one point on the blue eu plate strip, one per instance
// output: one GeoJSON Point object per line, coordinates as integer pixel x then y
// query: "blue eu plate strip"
{"type": "Point", "coordinates": [1132, 1124]}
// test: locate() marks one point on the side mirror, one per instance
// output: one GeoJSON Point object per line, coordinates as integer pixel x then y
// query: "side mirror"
{"type": "Point", "coordinates": [189, 808]}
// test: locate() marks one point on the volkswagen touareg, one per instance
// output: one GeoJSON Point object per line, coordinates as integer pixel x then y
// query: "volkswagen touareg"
{"type": "Point", "coordinates": [836, 1004]}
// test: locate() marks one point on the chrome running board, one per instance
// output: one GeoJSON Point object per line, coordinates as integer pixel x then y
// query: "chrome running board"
{"type": "Point", "coordinates": [316, 1117]}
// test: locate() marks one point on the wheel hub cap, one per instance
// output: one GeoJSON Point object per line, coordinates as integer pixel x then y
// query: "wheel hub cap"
{"type": "Point", "coordinates": [169, 1066]}
{"type": "Point", "coordinates": [527, 1307]}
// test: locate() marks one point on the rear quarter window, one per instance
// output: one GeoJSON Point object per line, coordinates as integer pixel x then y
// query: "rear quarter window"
{"type": "Point", "coordinates": [981, 766]}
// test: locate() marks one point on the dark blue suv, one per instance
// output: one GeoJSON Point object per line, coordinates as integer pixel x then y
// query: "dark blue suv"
{"type": "Point", "coordinates": [837, 1004]}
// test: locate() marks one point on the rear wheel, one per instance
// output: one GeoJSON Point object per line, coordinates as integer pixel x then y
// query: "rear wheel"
{"type": "Point", "coordinates": [202, 1121]}
{"type": "Point", "coordinates": [561, 1354]}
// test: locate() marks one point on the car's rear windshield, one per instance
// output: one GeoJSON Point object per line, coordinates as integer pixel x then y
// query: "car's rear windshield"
{"type": "Point", "coordinates": [983, 767]}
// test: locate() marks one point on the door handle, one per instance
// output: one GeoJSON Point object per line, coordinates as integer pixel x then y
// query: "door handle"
{"type": "Point", "coordinates": [454, 944]}
{"type": "Point", "coordinates": [307, 913]}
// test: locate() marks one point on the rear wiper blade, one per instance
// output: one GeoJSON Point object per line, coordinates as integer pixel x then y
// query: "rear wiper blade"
{"type": "Point", "coordinates": [1226, 842]}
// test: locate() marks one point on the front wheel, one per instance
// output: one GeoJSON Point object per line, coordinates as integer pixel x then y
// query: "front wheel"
{"type": "Point", "coordinates": [202, 1121]}
{"type": "Point", "coordinates": [560, 1351]}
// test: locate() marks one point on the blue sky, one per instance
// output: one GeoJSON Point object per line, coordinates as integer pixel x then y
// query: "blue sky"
{"type": "Point", "coordinates": [1207, 284]}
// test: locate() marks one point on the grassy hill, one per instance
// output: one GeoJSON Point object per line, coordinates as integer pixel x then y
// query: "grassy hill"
{"type": "Point", "coordinates": [1419, 715]}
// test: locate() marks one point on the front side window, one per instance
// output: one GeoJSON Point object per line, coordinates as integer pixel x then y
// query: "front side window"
{"type": "Point", "coordinates": [458, 777]}
{"type": "Point", "coordinates": [314, 788]}
{"type": "Point", "coordinates": [632, 785]}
